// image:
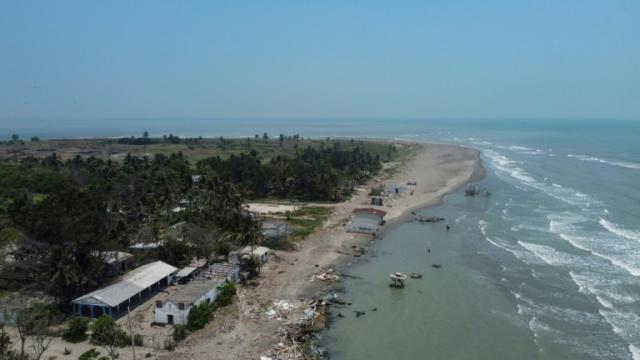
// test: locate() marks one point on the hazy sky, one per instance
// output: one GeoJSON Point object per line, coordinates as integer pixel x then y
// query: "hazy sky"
{"type": "Point", "coordinates": [220, 59]}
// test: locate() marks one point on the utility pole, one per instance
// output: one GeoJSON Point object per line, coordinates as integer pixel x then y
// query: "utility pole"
{"type": "Point", "coordinates": [133, 345]}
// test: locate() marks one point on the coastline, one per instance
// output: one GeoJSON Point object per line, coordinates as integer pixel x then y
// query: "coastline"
{"type": "Point", "coordinates": [404, 207]}
{"type": "Point", "coordinates": [246, 332]}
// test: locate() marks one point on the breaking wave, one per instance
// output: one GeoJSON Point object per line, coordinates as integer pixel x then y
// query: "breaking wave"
{"type": "Point", "coordinates": [622, 164]}
{"type": "Point", "coordinates": [619, 230]}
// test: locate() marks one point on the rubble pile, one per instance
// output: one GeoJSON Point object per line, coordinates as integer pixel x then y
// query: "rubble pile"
{"type": "Point", "coordinates": [300, 336]}
{"type": "Point", "coordinates": [329, 275]}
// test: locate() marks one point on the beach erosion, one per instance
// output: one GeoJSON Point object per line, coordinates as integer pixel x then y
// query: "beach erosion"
{"type": "Point", "coordinates": [288, 278]}
{"type": "Point", "coordinates": [437, 169]}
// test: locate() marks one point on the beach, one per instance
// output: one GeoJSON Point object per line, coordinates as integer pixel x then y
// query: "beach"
{"type": "Point", "coordinates": [245, 332]}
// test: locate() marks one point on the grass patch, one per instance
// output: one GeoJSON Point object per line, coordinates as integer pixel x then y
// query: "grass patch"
{"type": "Point", "coordinates": [37, 197]}
{"type": "Point", "coordinates": [307, 219]}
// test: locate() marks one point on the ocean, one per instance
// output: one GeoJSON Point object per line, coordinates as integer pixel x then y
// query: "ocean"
{"type": "Point", "coordinates": [546, 267]}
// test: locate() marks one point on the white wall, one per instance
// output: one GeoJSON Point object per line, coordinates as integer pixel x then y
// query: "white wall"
{"type": "Point", "coordinates": [180, 316]}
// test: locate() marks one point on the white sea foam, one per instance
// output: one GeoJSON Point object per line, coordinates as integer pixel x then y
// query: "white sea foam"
{"type": "Point", "coordinates": [517, 251]}
{"type": "Point", "coordinates": [618, 163]}
{"type": "Point", "coordinates": [620, 230]}
{"type": "Point", "coordinates": [635, 352]}
{"type": "Point", "coordinates": [506, 166]}
{"type": "Point", "coordinates": [604, 285]}
{"type": "Point", "coordinates": [626, 261]}
{"type": "Point", "coordinates": [530, 308]}
{"type": "Point", "coordinates": [625, 324]}
{"type": "Point", "coordinates": [618, 253]}
{"type": "Point", "coordinates": [552, 256]}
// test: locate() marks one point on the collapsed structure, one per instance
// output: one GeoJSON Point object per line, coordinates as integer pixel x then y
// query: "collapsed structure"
{"type": "Point", "coordinates": [366, 220]}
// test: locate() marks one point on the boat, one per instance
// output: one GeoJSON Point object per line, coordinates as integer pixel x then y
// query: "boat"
{"type": "Point", "coordinates": [416, 276]}
{"type": "Point", "coordinates": [436, 266]}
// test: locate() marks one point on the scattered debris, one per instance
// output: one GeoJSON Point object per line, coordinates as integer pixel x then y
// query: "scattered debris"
{"type": "Point", "coordinates": [359, 313]}
{"type": "Point", "coordinates": [473, 190]}
{"type": "Point", "coordinates": [436, 266]}
{"type": "Point", "coordinates": [299, 337]}
{"type": "Point", "coordinates": [329, 275]}
{"type": "Point", "coordinates": [416, 276]}
{"type": "Point", "coordinates": [428, 219]}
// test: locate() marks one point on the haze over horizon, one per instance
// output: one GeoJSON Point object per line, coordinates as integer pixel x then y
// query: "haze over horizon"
{"type": "Point", "coordinates": [495, 59]}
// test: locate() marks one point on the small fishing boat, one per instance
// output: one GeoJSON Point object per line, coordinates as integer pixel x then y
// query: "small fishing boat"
{"type": "Point", "coordinates": [416, 276]}
{"type": "Point", "coordinates": [436, 266]}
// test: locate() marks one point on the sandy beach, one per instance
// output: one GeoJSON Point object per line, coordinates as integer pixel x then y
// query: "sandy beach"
{"type": "Point", "coordinates": [246, 333]}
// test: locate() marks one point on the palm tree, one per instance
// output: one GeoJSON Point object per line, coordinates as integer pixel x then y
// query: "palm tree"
{"type": "Point", "coordinates": [248, 233]}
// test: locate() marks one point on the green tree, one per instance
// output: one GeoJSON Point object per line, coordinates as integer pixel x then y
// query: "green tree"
{"type": "Point", "coordinates": [76, 330]}
{"type": "Point", "coordinates": [108, 334]}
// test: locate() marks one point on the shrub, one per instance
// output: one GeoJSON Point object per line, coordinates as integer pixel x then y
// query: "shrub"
{"type": "Point", "coordinates": [179, 333]}
{"type": "Point", "coordinates": [225, 294]}
{"type": "Point", "coordinates": [92, 354]}
{"type": "Point", "coordinates": [76, 330]}
{"type": "Point", "coordinates": [199, 316]}
{"type": "Point", "coordinates": [169, 345]}
{"type": "Point", "coordinates": [107, 332]}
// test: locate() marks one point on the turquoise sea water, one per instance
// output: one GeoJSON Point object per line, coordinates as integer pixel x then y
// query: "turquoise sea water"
{"type": "Point", "coordinates": [548, 267]}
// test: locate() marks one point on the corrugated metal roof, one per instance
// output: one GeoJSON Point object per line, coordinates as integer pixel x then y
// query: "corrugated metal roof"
{"type": "Point", "coordinates": [185, 271]}
{"type": "Point", "coordinates": [131, 284]}
{"type": "Point", "coordinates": [193, 291]}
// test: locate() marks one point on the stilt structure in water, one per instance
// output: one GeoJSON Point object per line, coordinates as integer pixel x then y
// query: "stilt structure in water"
{"type": "Point", "coordinates": [398, 279]}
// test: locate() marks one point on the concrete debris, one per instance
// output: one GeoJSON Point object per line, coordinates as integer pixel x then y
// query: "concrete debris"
{"type": "Point", "coordinates": [299, 338]}
{"type": "Point", "coordinates": [329, 275]}
{"type": "Point", "coordinates": [280, 310]}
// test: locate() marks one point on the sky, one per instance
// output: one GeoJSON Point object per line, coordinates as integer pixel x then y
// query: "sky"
{"type": "Point", "coordinates": [320, 59]}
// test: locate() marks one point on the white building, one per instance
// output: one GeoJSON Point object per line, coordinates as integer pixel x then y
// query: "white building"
{"type": "Point", "coordinates": [130, 291]}
{"type": "Point", "coordinates": [261, 253]}
{"type": "Point", "coordinates": [174, 310]}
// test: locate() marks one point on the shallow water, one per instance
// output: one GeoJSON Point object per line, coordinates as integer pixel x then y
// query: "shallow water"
{"type": "Point", "coordinates": [545, 268]}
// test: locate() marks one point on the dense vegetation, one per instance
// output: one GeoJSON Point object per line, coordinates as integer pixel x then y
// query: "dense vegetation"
{"type": "Point", "coordinates": [58, 216]}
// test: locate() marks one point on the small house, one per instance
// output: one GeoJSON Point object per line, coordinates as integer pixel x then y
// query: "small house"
{"type": "Point", "coordinates": [366, 220]}
{"type": "Point", "coordinates": [274, 230]}
{"type": "Point", "coordinates": [260, 253]}
{"type": "Point", "coordinates": [174, 310]}
{"type": "Point", "coordinates": [222, 272]}
{"type": "Point", "coordinates": [377, 201]}
{"type": "Point", "coordinates": [189, 272]}
{"type": "Point", "coordinates": [117, 261]}
{"type": "Point", "coordinates": [392, 188]}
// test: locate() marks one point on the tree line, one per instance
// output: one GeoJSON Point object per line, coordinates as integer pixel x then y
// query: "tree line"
{"type": "Point", "coordinates": [57, 217]}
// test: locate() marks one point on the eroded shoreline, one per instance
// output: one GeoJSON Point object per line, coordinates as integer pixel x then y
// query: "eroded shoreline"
{"type": "Point", "coordinates": [439, 170]}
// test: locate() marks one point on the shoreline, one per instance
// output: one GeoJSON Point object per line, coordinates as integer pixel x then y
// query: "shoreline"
{"type": "Point", "coordinates": [248, 332]}
{"type": "Point", "coordinates": [477, 173]}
